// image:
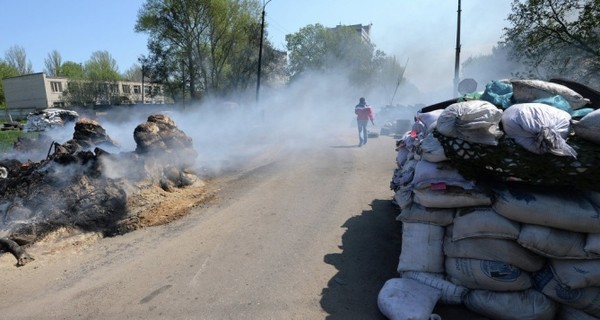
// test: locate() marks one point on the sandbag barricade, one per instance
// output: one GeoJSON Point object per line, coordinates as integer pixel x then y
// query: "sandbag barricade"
{"type": "Point", "coordinates": [505, 225]}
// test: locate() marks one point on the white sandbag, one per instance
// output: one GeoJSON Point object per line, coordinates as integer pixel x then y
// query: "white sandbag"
{"type": "Point", "coordinates": [552, 242]}
{"type": "Point", "coordinates": [562, 210]}
{"type": "Point", "coordinates": [486, 275]}
{"type": "Point", "coordinates": [474, 121]}
{"type": "Point", "coordinates": [589, 126]}
{"type": "Point", "coordinates": [429, 118]}
{"type": "Point", "coordinates": [507, 251]}
{"type": "Point", "coordinates": [585, 299]}
{"type": "Point", "coordinates": [439, 175]}
{"type": "Point", "coordinates": [529, 90]}
{"type": "Point", "coordinates": [407, 172]}
{"type": "Point", "coordinates": [576, 274]}
{"type": "Point", "coordinates": [419, 214]}
{"type": "Point", "coordinates": [421, 248]}
{"type": "Point", "coordinates": [518, 305]}
{"type": "Point", "coordinates": [407, 299]}
{"type": "Point", "coordinates": [403, 197]}
{"type": "Point", "coordinates": [592, 243]}
{"type": "Point", "coordinates": [451, 293]}
{"type": "Point", "coordinates": [539, 128]}
{"type": "Point", "coordinates": [402, 156]}
{"type": "Point", "coordinates": [483, 222]}
{"type": "Point", "coordinates": [451, 197]}
{"type": "Point", "coordinates": [432, 150]}
{"type": "Point", "coordinates": [568, 313]}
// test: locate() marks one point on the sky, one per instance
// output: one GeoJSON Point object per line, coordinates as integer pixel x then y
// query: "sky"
{"type": "Point", "coordinates": [421, 34]}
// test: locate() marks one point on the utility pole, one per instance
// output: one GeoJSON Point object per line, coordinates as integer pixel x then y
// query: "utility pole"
{"type": "Point", "coordinates": [143, 88]}
{"type": "Point", "coordinates": [262, 33]}
{"type": "Point", "coordinates": [457, 58]}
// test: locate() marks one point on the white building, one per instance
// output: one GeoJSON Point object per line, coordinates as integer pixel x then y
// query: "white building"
{"type": "Point", "coordinates": [37, 91]}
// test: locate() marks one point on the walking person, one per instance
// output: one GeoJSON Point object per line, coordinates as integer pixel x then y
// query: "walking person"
{"type": "Point", "coordinates": [364, 113]}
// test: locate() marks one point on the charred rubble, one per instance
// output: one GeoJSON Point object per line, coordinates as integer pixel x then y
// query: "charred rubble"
{"type": "Point", "coordinates": [83, 186]}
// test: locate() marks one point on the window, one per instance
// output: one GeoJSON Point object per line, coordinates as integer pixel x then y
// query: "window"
{"type": "Point", "coordinates": [147, 90]}
{"type": "Point", "coordinates": [137, 89]}
{"type": "Point", "coordinates": [126, 88]}
{"type": "Point", "coordinates": [56, 86]}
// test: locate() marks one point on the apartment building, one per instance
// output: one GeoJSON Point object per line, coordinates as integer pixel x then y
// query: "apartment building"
{"type": "Point", "coordinates": [38, 91]}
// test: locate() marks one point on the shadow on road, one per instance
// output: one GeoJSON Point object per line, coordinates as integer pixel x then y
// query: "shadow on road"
{"type": "Point", "coordinates": [371, 247]}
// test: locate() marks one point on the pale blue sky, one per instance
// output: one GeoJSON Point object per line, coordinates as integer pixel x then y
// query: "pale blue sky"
{"type": "Point", "coordinates": [422, 32]}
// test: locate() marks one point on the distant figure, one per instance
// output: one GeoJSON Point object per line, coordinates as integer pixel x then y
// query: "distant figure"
{"type": "Point", "coordinates": [363, 115]}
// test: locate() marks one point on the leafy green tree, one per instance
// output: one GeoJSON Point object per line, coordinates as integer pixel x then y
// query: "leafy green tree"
{"type": "Point", "coordinates": [72, 70]}
{"type": "Point", "coordinates": [53, 64]}
{"type": "Point", "coordinates": [340, 50]}
{"type": "Point", "coordinates": [101, 67]}
{"type": "Point", "coordinates": [557, 37]}
{"type": "Point", "coordinates": [202, 47]}
{"type": "Point", "coordinates": [6, 71]}
{"type": "Point", "coordinates": [17, 58]}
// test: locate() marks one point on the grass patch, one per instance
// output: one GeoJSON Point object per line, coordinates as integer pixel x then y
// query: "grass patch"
{"type": "Point", "coordinates": [9, 137]}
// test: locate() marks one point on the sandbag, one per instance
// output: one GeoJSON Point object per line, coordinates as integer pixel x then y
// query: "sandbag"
{"type": "Point", "coordinates": [483, 222]}
{"type": "Point", "coordinates": [432, 150]}
{"type": "Point", "coordinates": [518, 305]}
{"type": "Point", "coordinates": [576, 274]}
{"type": "Point", "coordinates": [419, 214]}
{"type": "Point", "coordinates": [421, 248]}
{"type": "Point", "coordinates": [407, 299]}
{"type": "Point", "coordinates": [568, 313]}
{"type": "Point", "coordinates": [561, 209]}
{"type": "Point", "coordinates": [589, 126]}
{"type": "Point", "coordinates": [552, 242]}
{"type": "Point", "coordinates": [403, 197]}
{"type": "Point", "coordinates": [539, 128]}
{"type": "Point", "coordinates": [429, 118]}
{"type": "Point", "coordinates": [585, 299]}
{"type": "Point", "coordinates": [439, 175]}
{"type": "Point", "coordinates": [486, 275]}
{"type": "Point", "coordinates": [473, 121]}
{"type": "Point", "coordinates": [451, 293]}
{"type": "Point", "coordinates": [507, 251]}
{"type": "Point", "coordinates": [498, 93]}
{"type": "Point", "coordinates": [592, 243]}
{"type": "Point", "coordinates": [451, 197]}
{"type": "Point", "coordinates": [529, 90]}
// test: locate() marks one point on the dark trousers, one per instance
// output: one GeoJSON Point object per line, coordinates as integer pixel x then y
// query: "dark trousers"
{"type": "Point", "coordinates": [362, 131]}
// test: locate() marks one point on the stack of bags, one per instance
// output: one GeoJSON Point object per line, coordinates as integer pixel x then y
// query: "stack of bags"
{"type": "Point", "coordinates": [504, 245]}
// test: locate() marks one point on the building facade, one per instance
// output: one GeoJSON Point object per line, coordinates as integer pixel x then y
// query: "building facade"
{"type": "Point", "coordinates": [38, 91]}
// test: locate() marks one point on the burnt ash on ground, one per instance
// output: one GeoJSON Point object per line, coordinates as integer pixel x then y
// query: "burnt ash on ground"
{"type": "Point", "coordinates": [82, 186]}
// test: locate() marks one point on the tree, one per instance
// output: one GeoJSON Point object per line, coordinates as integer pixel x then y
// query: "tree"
{"type": "Point", "coordinates": [494, 66]}
{"type": "Point", "coordinates": [102, 67]}
{"type": "Point", "coordinates": [6, 71]}
{"type": "Point", "coordinates": [339, 50]}
{"type": "Point", "coordinates": [17, 58]}
{"type": "Point", "coordinates": [134, 73]}
{"type": "Point", "coordinates": [53, 64]}
{"type": "Point", "coordinates": [557, 37]}
{"type": "Point", "coordinates": [72, 70]}
{"type": "Point", "coordinates": [205, 46]}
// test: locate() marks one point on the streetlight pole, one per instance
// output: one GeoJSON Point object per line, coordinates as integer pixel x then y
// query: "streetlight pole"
{"type": "Point", "coordinates": [262, 35]}
{"type": "Point", "coordinates": [457, 57]}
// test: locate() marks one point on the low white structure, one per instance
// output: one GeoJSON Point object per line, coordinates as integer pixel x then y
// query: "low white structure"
{"type": "Point", "coordinates": [38, 91]}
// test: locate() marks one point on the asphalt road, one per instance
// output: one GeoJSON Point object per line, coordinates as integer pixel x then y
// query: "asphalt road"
{"type": "Point", "coordinates": [309, 233]}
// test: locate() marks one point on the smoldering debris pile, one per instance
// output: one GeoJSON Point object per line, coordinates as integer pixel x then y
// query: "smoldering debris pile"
{"type": "Point", "coordinates": [500, 205]}
{"type": "Point", "coordinates": [81, 185]}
